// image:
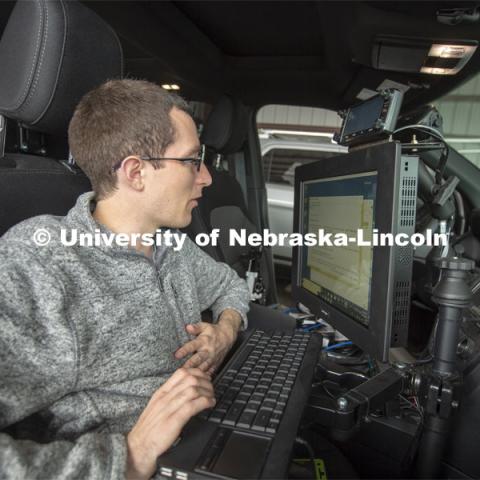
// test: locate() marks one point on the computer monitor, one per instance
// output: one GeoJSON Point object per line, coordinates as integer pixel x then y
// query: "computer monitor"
{"type": "Point", "coordinates": [362, 291]}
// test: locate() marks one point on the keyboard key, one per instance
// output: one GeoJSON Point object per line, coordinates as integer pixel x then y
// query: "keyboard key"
{"type": "Point", "coordinates": [229, 396]}
{"type": "Point", "coordinates": [246, 419]}
{"type": "Point", "coordinates": [269, 405]}
{"type": "Point", "coordinates": [271, 396]}
{"type": "Point", "coordinates": [252, 407]}
{"type": "Point", "coordinates": [275, 416]}
{"type": "Point", "coordinates": [261, 390]}
{"type": "Point", "coordinates": [243, 397]}
{"type": "Point", "coordinates": [261, 420]}
{"type": "Point", "coordinates": [256, 397]}
{"type": "Point", "coordinates": [222, 406]}
{"type": "Point", "coordinates": [232, 415]}
{"type": "Point", "coordinates": [216, 416]}
{"type": "Point", "coordinates": [272, 427]}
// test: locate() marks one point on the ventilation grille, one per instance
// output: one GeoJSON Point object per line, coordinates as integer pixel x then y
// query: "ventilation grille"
{"type": "Point", "coordinates": [408, 200]}
{"type": "Point", "coordinates": [404, 255]}
{"type": "Point", "coordinates": [401, 308]}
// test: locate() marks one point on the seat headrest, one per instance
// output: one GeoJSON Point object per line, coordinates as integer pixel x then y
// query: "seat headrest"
{"type": "Point", "coordinates": [52, 52]}
{"type": "Point", "coordinates": [225, 130]}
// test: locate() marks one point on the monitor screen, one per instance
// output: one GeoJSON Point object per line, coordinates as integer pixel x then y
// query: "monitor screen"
{"type": "Point", "coordinates": [364, 116]}
{"type": "Point", "coordinates": [340, 275]}
{"type": "Point", "coordinates": [360, 288]}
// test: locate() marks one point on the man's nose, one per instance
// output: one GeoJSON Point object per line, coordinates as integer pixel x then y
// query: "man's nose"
{"type": "Point", "coordinates": [204, 178]}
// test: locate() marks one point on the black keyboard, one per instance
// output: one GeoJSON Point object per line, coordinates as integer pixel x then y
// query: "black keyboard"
{"type": "Point", "coordinates": [261, 393]}
{"type": "Point", "coordinates": [253, 391]}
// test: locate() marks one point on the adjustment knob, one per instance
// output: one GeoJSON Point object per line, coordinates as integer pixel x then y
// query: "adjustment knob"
{"type": "Point", "coordinates": [455, 263]}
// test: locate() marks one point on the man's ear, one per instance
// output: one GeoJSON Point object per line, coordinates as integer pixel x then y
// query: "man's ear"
{"type": "Point", "coordinates": [133, 170]}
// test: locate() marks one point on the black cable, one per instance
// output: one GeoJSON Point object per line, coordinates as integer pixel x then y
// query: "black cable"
{"type": "Point", "coordinates": [435, 134]}
{"type": "Point", "coordinates": [423, 361]}
{"type": "Point", "coordinates": [310, 451]}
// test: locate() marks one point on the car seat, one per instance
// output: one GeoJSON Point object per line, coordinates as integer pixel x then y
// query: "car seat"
{"type": "Point", "coordinates": [223, 204]}
{"type": "Point", "coordinates": [47, 52]}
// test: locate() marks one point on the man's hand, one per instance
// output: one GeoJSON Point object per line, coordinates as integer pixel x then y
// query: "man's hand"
{"type": "Point", "coordinates": [212, 342]}
{"type": "Point", "coordinates": [187, 392]}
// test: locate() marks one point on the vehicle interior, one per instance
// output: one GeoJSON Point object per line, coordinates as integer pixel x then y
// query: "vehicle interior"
{"type": "Point", "coordinates": [230, 58]}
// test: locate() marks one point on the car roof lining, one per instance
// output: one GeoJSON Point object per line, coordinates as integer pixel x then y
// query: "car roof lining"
{"type": "Point", "coordinates": [311, 53]}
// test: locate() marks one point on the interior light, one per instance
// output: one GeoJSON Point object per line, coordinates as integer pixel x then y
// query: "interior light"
{"type": "Point", "coordinates": [448, 59]}
{"type": "Point", "coordinates": [451, 51]}
{"type": "Point", "coordinates": [437, 71]}
{"type": "Point", "coordinates": [170, 86]}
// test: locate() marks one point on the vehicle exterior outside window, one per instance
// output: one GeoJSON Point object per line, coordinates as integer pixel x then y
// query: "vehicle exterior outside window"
{"type": "Point", "coordinates": [460, 111]}
{"type": "Point", "coordinates": [280, 156]}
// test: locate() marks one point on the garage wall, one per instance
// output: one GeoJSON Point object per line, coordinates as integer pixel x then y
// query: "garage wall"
{"type": "Point", "coordinates": [461, 119]}
{"type": "Point", "coordinates": [300, 118]}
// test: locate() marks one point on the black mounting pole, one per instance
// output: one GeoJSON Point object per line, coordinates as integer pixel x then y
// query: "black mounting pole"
{"type": "Point", "coordinates": [452, 295]}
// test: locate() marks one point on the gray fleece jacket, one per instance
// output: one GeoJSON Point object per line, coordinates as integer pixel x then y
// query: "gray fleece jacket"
{"type": "Point", "coordinates": [87, 334]}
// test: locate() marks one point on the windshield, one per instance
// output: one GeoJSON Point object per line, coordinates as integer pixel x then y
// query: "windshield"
{"type": "Point", "coordinates": [460, 110]}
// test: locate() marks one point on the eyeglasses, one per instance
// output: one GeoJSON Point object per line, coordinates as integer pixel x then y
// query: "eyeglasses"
{"type": "Point", "coordinates": [197, 161]}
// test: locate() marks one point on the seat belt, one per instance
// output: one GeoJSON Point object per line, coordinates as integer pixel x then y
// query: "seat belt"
{"type": "Point", "coordinates": [3, 135]}
{"type": "Point", "coordinates": [255, 283]}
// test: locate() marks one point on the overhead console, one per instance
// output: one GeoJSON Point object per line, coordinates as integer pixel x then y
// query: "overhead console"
{"type": "Point", "coordinates": [422, 55]}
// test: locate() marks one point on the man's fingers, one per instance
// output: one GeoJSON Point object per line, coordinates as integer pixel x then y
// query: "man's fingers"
{"type": "Point", "coordinates": [206, 365]}
{"type": "Point", "coordinates": [197, 328]}
{"type": "Point", "coordinates": [196, 360]}
{"type": "Point", "coordinates": [188, 409]}
{"type": "Point", "coordinates": [188, 348]}
{"type": "Point", "coordinates": [182, 394]}
{"type": "Point", "coordinates": [178, 377]}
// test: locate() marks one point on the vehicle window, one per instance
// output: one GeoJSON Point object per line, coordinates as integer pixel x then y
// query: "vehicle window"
{"type": "Point", "coordinates": [291, 136]}
{"type": "Point", "coordinates": [460, 110]}
{"type": "Point", "coordinates": [279, 163]}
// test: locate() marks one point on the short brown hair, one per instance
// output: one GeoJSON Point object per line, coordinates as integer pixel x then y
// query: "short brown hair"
{"type": "Point", "coordinates": [117, 119]}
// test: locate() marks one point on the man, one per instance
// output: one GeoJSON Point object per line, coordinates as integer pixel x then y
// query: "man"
{"type": "Point", "coordinates": [103, 358]}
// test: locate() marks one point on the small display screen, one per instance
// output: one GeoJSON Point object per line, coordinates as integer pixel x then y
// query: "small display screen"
{"type": "Point", "coordinates": [364, 116]}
